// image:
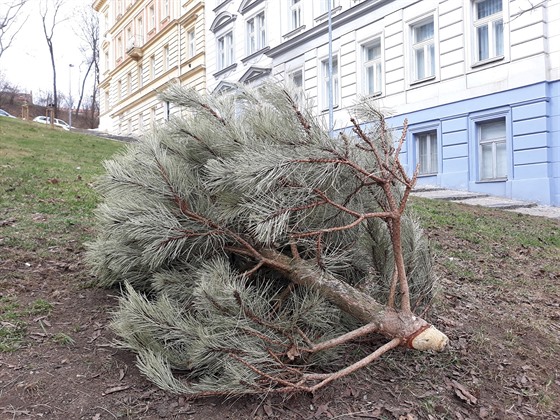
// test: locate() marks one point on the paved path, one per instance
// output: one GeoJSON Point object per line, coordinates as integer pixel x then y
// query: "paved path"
{"type": "Point", "coordinates": [477, 199]}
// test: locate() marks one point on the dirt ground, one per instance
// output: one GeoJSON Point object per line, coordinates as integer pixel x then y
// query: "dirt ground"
{"type": "Point", "coordinates": [503, 361]}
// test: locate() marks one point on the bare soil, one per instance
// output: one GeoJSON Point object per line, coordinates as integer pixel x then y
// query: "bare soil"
{"type": "Point", "coordinates": [503, 319]}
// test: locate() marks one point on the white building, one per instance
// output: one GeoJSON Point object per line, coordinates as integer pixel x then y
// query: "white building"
{"type": "Point", "coordinates": [477, 80]}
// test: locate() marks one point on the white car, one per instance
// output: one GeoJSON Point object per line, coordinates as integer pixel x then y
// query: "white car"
{"type": "Point", "coordinates": [47, 120]}
{"type": "Point", "coordinates": [5, 114]}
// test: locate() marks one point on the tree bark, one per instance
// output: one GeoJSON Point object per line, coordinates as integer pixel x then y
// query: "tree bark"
{"type": "Point", "coordinates": [412, 330]}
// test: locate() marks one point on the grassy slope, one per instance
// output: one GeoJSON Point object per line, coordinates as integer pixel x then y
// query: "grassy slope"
{"type": "Point", "coordinates": [45, 183]}
{"type": "Point", "coordinates": [46, 204]}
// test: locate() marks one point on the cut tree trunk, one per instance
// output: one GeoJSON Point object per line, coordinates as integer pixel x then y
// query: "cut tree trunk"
{"type": "Point", "coordinates": [412, 330]}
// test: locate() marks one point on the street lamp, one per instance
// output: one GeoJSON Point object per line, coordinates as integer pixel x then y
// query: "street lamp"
{"type": "Point", "coordinates": [70, 94]}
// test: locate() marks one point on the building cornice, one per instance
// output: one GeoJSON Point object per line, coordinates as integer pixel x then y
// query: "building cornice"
{"type": "Point", "coordinates": [322, 29]}
{"type": "Point", "coordinates": [192, 15]}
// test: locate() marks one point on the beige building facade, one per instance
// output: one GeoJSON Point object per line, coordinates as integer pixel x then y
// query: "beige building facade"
{"type": "Point", "coordinates": [145, 46]}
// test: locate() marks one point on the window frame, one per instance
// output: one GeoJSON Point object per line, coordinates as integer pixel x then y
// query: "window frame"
{"type": "Point", "coordinates": [365, 64]}
{"type": "Point", "coordinates": [152, 67]}
{"type": "Point", "coordinates": [475, 120]}
{"type": "Point", "coordinates": [152, 20]}
{"type": "Point", "coordinates": [295, 6]}
{"type": "Point", "coordinates": [221, 51]}
{"type": "Point", "coordinates": [431, 138]}
{"type": "Point", "coordinates": [140, 75]}
{"type": "Point", "coordinates": [430, 60]}
{"type": "Point", "coordinates": [290, 76]}
{"type": "Point", "coordinates": [324, 94]}
{"type": "Point", "coordinates": [488, 22]}
{"type": "Point", "coordinates": [166, 58]}
{"type": "Point", "coordinates": [324, 6]}
{"type": "Point", "coordinates": [259, 35]}
{"type": "Point", "coordinates": [493, 142]}
{"type": "Point", "coordinates": [191, 42]}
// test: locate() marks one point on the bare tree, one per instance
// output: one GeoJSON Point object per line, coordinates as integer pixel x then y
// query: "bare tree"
{"type": "Point", "coordinates": [88, 31]}
{"type": "Point", "coordinates": [11, 22]}
{"type": "Point", "coordinates": [49, 18]}
{"type": "Point", "coordinates": [8, 91]}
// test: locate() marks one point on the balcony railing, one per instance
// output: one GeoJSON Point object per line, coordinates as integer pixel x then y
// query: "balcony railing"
{"type": "Point", "coordinates": [134, 47]}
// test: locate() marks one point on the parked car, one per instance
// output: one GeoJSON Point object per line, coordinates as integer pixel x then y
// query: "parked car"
{"type": "Point", "coordinates": [5, 114]}
{"type": "Point", "coordinates": [58, 123]}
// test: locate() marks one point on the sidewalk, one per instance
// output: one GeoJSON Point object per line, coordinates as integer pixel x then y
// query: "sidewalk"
{"type": "Point", "coordinates": [477, 199]}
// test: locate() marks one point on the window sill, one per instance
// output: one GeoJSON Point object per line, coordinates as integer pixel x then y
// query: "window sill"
{"type": "Point", "coordinates": [294, 32]}
{"type": "Point", "coordinates": [489, 181]}
{"type": "Point", "coordinates": [426, 175]}
{"type": "Point", "coordinates": [373, 95]}
{"type": "Point", "coordinates": [488, 61]}
{"type": "Point", "coordinates": [422, 81]}
{"type": "Point", "coordinates": [325, 110]}
{"type": "Point", "coordinates": [225, 70]}
{"type": "Point", "coordinates": [255, 54]}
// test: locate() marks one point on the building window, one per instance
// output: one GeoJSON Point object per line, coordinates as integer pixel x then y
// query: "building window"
{"type": "Point", "coordinates": [165, 8]}
{"type": "Point", "coordinates": [296, 78]}
{"type": "Point", "coordinates": [324, 6]}
{"type": "Point", "coordinates": [152, 67]}
{"type": "Point", "coordinates": [140, 30]}
{"type": "Point", "coordinates": [488, 29]}
{"type": "Point", "coordinates": [106, 102]}
{"type": "Point", "coordinates": [329, 83]}
{"type": "Point", "coordinates": [129, 38]}
{"type": "Point", "coordinates": [225, 50]}
{"type": "Point", "coordinates": [372, 68]}
{"type": "Point", "coordinates": [295, 14]}
{"type": "Point", "coordinates": [256, 33]}
{"type": "Point", "coordinates": [191, 42]}
{"type": "Point", "coordinates": [166, 58]}
{"type": "Point", "coordinates": [119, 47]}
{"type": "Point", "coordinates": [140, 76]}
{"type": "Point", "coordinates": [106, 60]}
{"type": "Point", "coordinates": [129, 83]}
{"type": "Point", "coordinates": [153, 116]}
{"type": "Point", "coordinates": [423, 50]}
{"type": "Point", "coordinates": [152, 17]}
{"type": "Point", "coordinates": [119, 89]}
{"type": "Point", "coordinates": [492, 149]}
{"type": "Point", "coordinates": [426, 153]}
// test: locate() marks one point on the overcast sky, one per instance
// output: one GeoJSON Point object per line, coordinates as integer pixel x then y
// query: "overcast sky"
{"type": "Point", "coordinates": [27, 62]}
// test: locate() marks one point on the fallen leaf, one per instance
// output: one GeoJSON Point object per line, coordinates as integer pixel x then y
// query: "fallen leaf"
{"type": "Point", "coordinates": [268, 410]}
{"type": "Point", "coordinates": [115, 389]}
{"type": "Point", "coordinates": [463, 394]}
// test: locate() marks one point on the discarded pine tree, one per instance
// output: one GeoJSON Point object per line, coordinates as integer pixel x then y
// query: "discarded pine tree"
{"type": "Point", "coordinates": [255, 247]}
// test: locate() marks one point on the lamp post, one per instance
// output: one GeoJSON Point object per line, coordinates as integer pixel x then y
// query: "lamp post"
{"type": "Point", "coordinates": [330, 84]}
{"type": "Point", "coordinates": [70, 94]}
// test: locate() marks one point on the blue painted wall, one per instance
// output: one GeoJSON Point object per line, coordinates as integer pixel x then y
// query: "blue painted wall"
{"type": "Point", "coordinates": [532, 116]}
